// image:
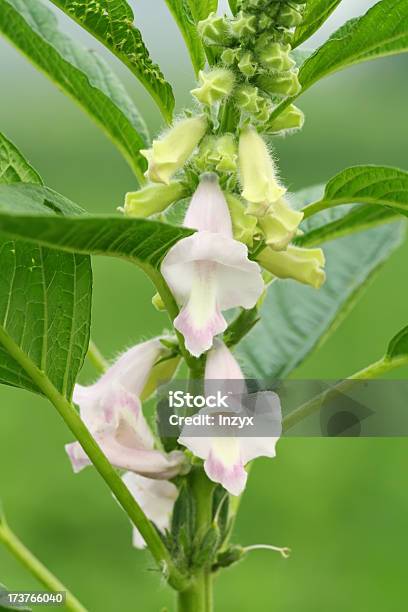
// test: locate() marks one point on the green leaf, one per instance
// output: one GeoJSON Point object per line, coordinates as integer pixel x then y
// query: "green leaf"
{"type": "Point", "coordinates": [45, 295]}
{"type": "Point", "coordinates": [112, 23]}
{"type": "Point", "coordinates": [382, 31]}
{"type": "Point", "coordinates": [13, 167]}
{"type": "Point", "coordinates": [82, 74]}
{"type": "Point", "coordinates": [315, 14]}
{"type": "Point", "coordinates": [296, 318]}
{"type": "Point", "coordinates": [183, 16]}
{"type": "Point", "coordinates": [335, 224]}
{"type": "Point", "coordinates": [379, 185]}
{"type": "Point", "coordinates": [398, 347]}
{"type": "Point", "coordinates": [23, 214]}
{"type": "Point", "coordinates": [200, 9]}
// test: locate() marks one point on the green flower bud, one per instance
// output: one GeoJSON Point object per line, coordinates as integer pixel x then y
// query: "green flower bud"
{"type": "Point", "coordinates": [265, 22]}
{"type": "Point", "coordinates": [217, 154]}
{"type": "Point", "coordinates": [283, 84]}
{"type": "Point", "coordinates": [257, 170]}
{"type": "Point", "coordinates": [152, 199]}
{"type": "Point", "coordinates": [264, 110]}
{"type": "Point", "coordinates": [289, 17]}
{"type": "Point", "coordinates": [247, 98]}
{"type": "Point", "coordinates": [214, 86]}
{"type": "Point", "coordinates": [169, 153]}
{"type": "Point", "coordinates": [279, 224]}
{"type": "Point", "coordinates": [229, 56]}
{"type": "Point", "coordinates": [276, 57]}
{"type": "Point", "coordinates": [214, 29]}
{"type": "Point", "coordinates": [246, 65]}
{"type": "Point", "coordinates": [243, 25]}
{"type": "Point", "coordinates": [291, 118]}
{"type": "Point", "coordinates": [243, 225]}
{"type": "Point", "coordinates": [303, 265]}
{"type": "Point", "coordinates": [227, 153]}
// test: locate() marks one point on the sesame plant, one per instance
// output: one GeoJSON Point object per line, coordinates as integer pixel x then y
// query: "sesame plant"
{"type": "Point", "coordinates": [250, 276]}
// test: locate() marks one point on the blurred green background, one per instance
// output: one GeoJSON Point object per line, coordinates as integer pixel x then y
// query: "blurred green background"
{"type": "Point", "coordinates": [341, 505]}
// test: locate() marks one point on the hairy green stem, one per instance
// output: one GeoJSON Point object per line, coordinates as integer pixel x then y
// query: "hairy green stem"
{"type": "Point", "coordinates": [96, 358]}
{"type": "Point", "coordinates": [67, 411]}
{"type": "Point", "coordinates": [36, 568]}
{"type": "Point", "coordinates": [374, 370]}
{"type": "Point", "coordinates": [199, 596]}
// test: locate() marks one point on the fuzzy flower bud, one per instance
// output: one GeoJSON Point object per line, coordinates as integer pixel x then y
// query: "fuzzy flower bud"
{"type": "Point", "coordinates": [246, 64]}
{"type": "Point", "coordinates": [214, 29]}
{"type": "Point", "coordinates": [214, 86]}
{"type": "Point", "coordinates": [289, 17]}
{"type": "Point", "coordinates": [303, 265]}
{"type": "Point", "coordinates": [229, 56]}
{"type": "Point", "coordinates": [279, 224]}
{"type": "Point", "coordinates": [291, 118]}
{"type": "Point", "coordinates": [274, 56]}
{"type": "Point", "coordinates": [247, 98]}
{"type": "Point", "coordinates": [217, 153]}
{"type": "Point", "coordinates": [243, 224]}
{"type": "Point", "coordinates": [243, 25]}
{"type": "Point", "coordinates": [258, 175]}
{"type": "Point", "coordinates": [153, 199]}
{"type": "Point", "coordinates": [283, 84]}
{"type": "Point", "coordinates": [169, 153]}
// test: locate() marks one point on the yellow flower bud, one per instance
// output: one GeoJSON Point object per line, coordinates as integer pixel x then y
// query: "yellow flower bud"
{"type": "Point", "coordinates": [279, 224]}
{"type": "Point", "coordinates": [214, 86]}
{"type": "Point", "coordinates": [243, 224]}
{"type": "Point", "coordinates": [291, 118]}
{"type": "Point", "coordinates": [153, 199]}
{"type": "Point", "coordinates": [258, 175]}
{"type": "Point", "coordinates": [169, 153]}
{"type": "Point", "coordinates": [303, 265]}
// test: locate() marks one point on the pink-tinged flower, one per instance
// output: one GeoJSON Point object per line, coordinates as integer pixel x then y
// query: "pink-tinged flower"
{"type": "Point", "coordinates": [209, 272]}
{"type": "Point", "coordinates": [225, 457]}
{"type": "Point", "coordinates": [155, 497]}
{"type": "Point", "coordinates": [111, 409]}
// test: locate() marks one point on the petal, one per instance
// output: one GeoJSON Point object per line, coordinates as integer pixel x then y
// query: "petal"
{"type": "Point", "coordinates": [268, 412]}
{"type": "Point", "coordinates": [149, 463]}
{"type": "Point", "coordinates": [224, 464]}
{"type": "Point", "coordinates": [129, 372]}
{"type": "Point", "coordinates": [155, 497]}
{"type": "Point", "coordinates": [239, 280]}
{"type": "Point", "coordinates": [200, 319]}
{"type": "Point", "coordinates": [221, 364]}
{"type": "Point", "coordinates": [79, 459]}
{"type": "Point", "coordinates": [208, 209]}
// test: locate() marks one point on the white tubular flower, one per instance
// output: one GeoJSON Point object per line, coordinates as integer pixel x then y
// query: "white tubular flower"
{"type": "Point", "coordinates": [209, 271]}
{"type": "Point", "coordinates": [225, 457]}
{"type": "Point", "coordinates": [155, 497]}
{"type": "Point", "coordinates": [112, 411]}
{"type": "Point", "coordinates": [169, 153]}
